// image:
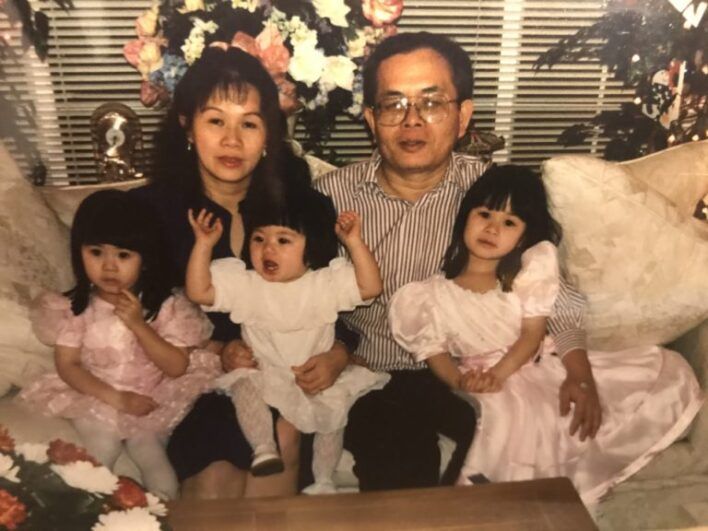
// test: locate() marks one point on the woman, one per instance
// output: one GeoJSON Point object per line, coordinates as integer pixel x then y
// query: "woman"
{"type": "Point", "coordinates": [224, 131]}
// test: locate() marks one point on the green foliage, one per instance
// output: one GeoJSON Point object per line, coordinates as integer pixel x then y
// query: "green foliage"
{"type": "Point", "coordinates": [634, 44]}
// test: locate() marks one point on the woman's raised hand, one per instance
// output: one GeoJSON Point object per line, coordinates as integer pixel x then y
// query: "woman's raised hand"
{"type": "Point", "coordinates": [207, 228]}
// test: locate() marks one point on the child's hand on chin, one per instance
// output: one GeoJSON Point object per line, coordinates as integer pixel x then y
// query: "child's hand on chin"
{"type": "Point", "coordinates": [134, 403]}
{"type": "Point", "coordinates": [129, 309]}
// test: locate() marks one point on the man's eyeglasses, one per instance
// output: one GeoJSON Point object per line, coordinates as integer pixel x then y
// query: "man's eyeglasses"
{"type": "Point", "coordinates": [432, 108]}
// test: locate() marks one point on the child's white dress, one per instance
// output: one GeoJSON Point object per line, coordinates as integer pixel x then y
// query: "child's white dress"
{"type": "Point", "coordinates": [286, 323]}
{"type": "Point", "coordinates": [649, 395]}
{"type": "Point", "coordinates": [111, 352]}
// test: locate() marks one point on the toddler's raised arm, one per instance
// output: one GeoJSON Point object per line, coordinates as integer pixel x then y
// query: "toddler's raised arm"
{"type": "Point", "coordinates": [207, 232]}
{"type": "Point", "coordinates": [368, 276]}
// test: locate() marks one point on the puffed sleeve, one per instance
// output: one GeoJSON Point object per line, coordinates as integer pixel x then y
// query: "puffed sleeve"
{"type": "Point", "coordinates": [414, 321]}
{"type": "Point", "coordinates": [182, 323]}
{"type": "Point", "coordinates": [72, 332]}
{"type": "Point", "coordinates": [49, 314]}
{"type": "Point", "coordinates": [231, 286]}
{"type": "Point", "coordinates": [339, 279]}
{"type": "Point", "coordinates": [537, 283]}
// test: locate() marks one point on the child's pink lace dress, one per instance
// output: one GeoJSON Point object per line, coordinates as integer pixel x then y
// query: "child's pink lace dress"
{"type": "Point", "coordinates": [111, 352]}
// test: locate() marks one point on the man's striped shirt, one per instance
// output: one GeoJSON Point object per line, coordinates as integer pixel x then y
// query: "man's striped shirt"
{"type": "Point", "coordinates": [408, 241]}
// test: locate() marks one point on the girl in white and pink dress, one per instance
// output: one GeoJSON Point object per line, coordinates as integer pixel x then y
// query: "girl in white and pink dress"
{"type": "Point", "coordinates": [126, 371]}
{"type": "Point", "coordinates": [481, 327]}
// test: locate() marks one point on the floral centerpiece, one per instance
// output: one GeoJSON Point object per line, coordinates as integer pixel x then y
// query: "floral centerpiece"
{"type": "Point", "coordinates": [59, 486]}
{"type": "Point", "coordinates": [313, 49]}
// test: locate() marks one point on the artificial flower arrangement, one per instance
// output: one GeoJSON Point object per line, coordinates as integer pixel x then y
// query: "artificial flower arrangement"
{"type": "Point", "coordinates": [313, 49]}
{"type": "Point", "coordinates": [60, 486]}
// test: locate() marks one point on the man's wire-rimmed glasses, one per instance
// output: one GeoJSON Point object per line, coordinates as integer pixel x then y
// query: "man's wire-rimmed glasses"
{"type": "Point", "coordinates": [432, 108]}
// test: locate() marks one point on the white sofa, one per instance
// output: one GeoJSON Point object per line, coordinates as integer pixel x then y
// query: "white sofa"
{"type": "Point", "coordinates": [630, 244]}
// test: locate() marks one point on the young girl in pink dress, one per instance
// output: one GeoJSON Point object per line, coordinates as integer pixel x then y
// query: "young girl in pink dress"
{"type": "Point", "coordinates": [481, 327]}
{"type": "Point", "coordinates": [126, 371]}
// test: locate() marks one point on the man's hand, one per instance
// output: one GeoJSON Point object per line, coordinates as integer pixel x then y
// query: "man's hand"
{"type": "Point", "coordinates": [322, 370]}
{"type": "Point", "coordinates": [236, 354]}
{"type": "Point", "coordinates": [579, 389]}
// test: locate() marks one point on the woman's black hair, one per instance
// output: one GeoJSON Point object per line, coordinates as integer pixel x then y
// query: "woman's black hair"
{"type": "Point", "coordinates": [523, 190]}
{"type": "Point", "coordinates": [291, 202]}
{"type": "Point", "coordinates": [116, 218]}
{"type": "Point", "coordinates": [227, 74]}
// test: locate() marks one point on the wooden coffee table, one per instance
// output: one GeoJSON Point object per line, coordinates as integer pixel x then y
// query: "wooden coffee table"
{"type": "Point", "coordinates": [546, 504]}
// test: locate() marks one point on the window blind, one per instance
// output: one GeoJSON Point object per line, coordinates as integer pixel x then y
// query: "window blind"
{"type": "Point", "coordinates": [86, 68]}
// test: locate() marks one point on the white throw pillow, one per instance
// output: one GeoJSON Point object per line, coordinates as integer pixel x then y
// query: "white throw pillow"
{"type": "Point", "coordinates": [641, 262]}
{"type": "Point", "coordinates": [34, 255]}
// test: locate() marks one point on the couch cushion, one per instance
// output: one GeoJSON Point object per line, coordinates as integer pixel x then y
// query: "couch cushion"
{"type": "Point", "coordinates": [640, 260]}
{"type": "Point", "coordinates": [34, 255]}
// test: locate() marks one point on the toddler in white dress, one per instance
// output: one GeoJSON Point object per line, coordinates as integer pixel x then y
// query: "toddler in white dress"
{"type": "Point", "coordinates": [286, 294]}
{"type": "Point", "coordinates": [481, 327]}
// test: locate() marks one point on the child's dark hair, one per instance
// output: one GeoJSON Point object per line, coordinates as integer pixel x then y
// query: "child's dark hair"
{"type": "Point", "coordinates": [292, 202]}
{"type": "Point", "coordinates": [116, 218]}
{"type": "Point", "coordinates": [523, 190]}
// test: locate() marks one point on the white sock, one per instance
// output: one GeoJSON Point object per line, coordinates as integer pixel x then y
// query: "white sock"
{"type": "Point", "coordinates": [148, 452]}
{"type": "Point", "coordinates": [254, 417]}
{"type": "Point", "coordinates": [102, 443]}
{"type": "Point", "coordinates": [327, 450]}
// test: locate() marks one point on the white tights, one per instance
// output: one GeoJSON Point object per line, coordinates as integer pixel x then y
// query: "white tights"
{"type": "Point", "coordinates": [256, 421]}
{"type": "Point", "coordinates": [146, 450]}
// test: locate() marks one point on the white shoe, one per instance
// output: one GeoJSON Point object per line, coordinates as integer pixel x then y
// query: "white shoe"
{"type": "Point", "coordinates": [325, 487]}
{"type": "Point", "coordinates": [266, 464]}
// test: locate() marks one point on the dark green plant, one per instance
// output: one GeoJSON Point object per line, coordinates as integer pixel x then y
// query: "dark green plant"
{"type": "Point", "coordinates": [635, 39]}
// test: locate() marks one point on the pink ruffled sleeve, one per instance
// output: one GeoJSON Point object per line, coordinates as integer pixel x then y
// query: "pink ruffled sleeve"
{"type": "Point", "coordinates": [182, 323]}
{"type": "Point", "coordinates": [415, 323]}
{"type": "Point", "coordinates": [538, 282]}
{"type": "Point", "coordinates": [49, 314]}
{"type": "Point", "coordinates": [71, 333]}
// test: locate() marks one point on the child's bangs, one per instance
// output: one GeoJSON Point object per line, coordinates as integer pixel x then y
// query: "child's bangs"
{"type": "Point", "coordinates": [264, 211]}
{"type": "Point", "coordinates": [118, 234]}
{"type": "Point", "coordinates": [514, 199]}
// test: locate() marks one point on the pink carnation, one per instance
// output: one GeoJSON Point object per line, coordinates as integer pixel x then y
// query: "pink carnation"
{"type": "Point", "coordinates": [287, 94]}
{"type": "Point", "coordinates": [131, 51]}
{"type": "Point", "coordinates": [272, 52]}
{"type": "Point", "coordinates": [152, 94]}
{"type": "Point", "coordinates": [245, 42]}
{"type": "Point", "coordinates": [382, 12]}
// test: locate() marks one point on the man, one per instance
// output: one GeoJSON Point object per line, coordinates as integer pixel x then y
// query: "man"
{"type": "Point", "coordinates": [418, 97]}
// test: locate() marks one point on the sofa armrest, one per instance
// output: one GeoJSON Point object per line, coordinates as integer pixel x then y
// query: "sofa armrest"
{"type": "Point", "coordinates": [694, 347]}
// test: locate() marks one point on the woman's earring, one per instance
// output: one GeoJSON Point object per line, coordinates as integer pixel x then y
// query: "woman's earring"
{"type": "Point", "coordinates": [264, 154]}
{"type": "Point", "coordinates": [189, 145]}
